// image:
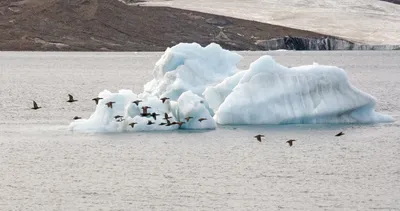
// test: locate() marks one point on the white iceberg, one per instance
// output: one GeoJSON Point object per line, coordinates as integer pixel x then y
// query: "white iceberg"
{"type": "Point", "coordinates": [269, 93]}
{"type": "Point", "coordinates": [201, 82]}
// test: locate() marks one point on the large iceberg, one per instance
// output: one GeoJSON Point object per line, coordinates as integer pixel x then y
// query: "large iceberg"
{"type": "Point", "coordinates": [269, 93]}
{"type": "Point", "coordinates": [204, 87]}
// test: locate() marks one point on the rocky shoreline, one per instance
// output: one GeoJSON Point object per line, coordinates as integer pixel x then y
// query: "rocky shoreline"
{"type": "Point", "coordinates": [110, 25]}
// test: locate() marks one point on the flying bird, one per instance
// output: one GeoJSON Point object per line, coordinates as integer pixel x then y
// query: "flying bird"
{"type": "Point", "coordinates": [290, 142]}
{"type": "Point", "coordinates": [154, 115]}
{"type": "Point", "coordinates": [202, 119]}
{"type": "Point", "coordinates": [339, 134]}
{"type": "Point", "coordinates": [118, 116]}
{"type": "Point", "coordinates": [35, 106]}
{"type": "Point", "coordinates": [145, 109]}
{"type": "Point", "coordinates": [188, 118]}
{"type": "Point", "coordinates": [164, 99]}
{"type": "Point", "coordinates": [96, 100]}
{"type": "Point", "coordinates": [166, 117]}
{"type": "Point", "coordinates": [71, 99]}
{"type": "Point", "coordinates": [132, 124]}
{"type": "Point", "coordinates": [150, 122]}
{"type": "Point", "coordinates": [258, 137]}
{"type": "Point", "coordinates": [180, 124]}
{"type": "Point", "coordinates": [110, 104]}
{"type": "Point", "coordinates": [77, 117]}
{"type": "Point", "coordinates": [137, 102]}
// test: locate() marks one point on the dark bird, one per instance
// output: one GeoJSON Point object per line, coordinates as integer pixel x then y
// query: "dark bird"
{"type": "Point", "coordinates": [290, 142]}
{"type": "Point", "coordinates": [150, 122]}
{"type": "Point", "coordinates": [202, 119]}
{"type": "Point", "coordinates": [166, 117]}
{"type": "Point", "coordinates": [132, 124]}
{"type": "Point", "coordinates": [180, 124]}
{"type": "Point", "coordinates": [339, 134]}
{"type": "Point", "coordinates": [77, 117]}
{"type": "Point", "coordinates": [168, 123]}
{"type": "Point", "coordinates": [188, 118]}
{"type": "Point", "coordinates": [120, 120]}
{"type": "Point", "coordinates": [258, 137]}
{"type": "Point", "coordinates": [145, 109]}
{"type": "Point", "coordinates": [118, 116]}
{"type": "Point", "coordinates": [71, 99]}
{"type": "Point", "coordinates": [137, 102]}
{"type": "Point", "coordinates": [162, 123]}
{"type": "Point", "coordinates": [110, 104]}
{"type": "Point", "coordinates": [154, 115]}
{"type": "Point", "coordinates": [96, 100]}
{"type": "Point", "coordinates": [35, 106]}
{"type": "Point", "coordinates": [164, 99]}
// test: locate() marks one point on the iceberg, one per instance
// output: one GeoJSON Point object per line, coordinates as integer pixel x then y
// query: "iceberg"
{"type": "Point", "coordinates": [203, 87]}
{"type": "Point", "coordinates": [269, 93]}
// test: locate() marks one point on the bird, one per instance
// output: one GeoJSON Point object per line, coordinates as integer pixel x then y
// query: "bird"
{"type": "Point", "coordinates": [77, 117]}
{"type": "Point", "coordinates": [164, 99]}
{"type": "Point", "coordinates": [137, 102]}
{"type": "Point", "coordinates": [202, 119]}
{"type": "Point", "coordinates": [188, 118]}
{"type": "Point", "coordinates": [166, 117]}
{"type": "Point", "coordinates": [110, 104]}
{"type": "Point", "coordinates": [96, 100]}
{"type": "Point", "coordinates": [154, 115]}
{"type": "Point", "coordinates": [145, 109]}
{"type": "Point", "coordinates": [290, 142]}
{"type": "Point", "coordinates": [339, 134]}
{"type": "Point", "coordinates": [168, 123]}
{"type": "Point", "coordinates": [179, 123]}
{"type": "Point", "coordinates": [132, 124]}
{"type": "Point", "coordinates": [35, 106]}
{"type": "Point", "coordinates": [118, 116]}
{"type": "Point", "coordinates": [71, 99]}
{"type": "Point", "coordinates": [150, 122]}
{"type": "Point", "coordinates": [258, 137]}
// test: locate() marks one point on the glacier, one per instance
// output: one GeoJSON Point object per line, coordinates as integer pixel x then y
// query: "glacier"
{"type": "Point", "coordinates": [203, 87]}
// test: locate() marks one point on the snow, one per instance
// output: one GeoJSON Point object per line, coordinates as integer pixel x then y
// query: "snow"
{"type": "Point", "coordinates": [205, 83]}
{"type": "Point", "coordinates": [364, 21]}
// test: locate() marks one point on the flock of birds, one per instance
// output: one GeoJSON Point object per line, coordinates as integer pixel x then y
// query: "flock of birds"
{"type": "Point", "coordinates": [144, 113]}
{"type": "Point", "coordinates": [290, 142]}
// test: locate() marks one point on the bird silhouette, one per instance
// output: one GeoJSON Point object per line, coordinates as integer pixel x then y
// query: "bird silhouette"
{"type": "Point", "coordinates": [132, 124]}
{"type": "Point", "coordinates": [35, 106]}
{"type": "Point", "coordinates": [154, 115]}
{"type": "Point", "coordinates": [71, 99]}
{"type": "Point", "coordinates": [164, 99]}
{"type": "Point", "coordinates": [77, 117]}
{"type": "Point", "coordinates": [110, 104]}
{"type": "Point", "coordinates": [118, 116]}
{"type": "Point", "coordinates": [180, 124]}
{"type": "Point", "coordinates": [96, 100]}
{"type": "Point", "coordinates": [150, 122]}
{"type": "Point", "coordinates": [137, 102]}
{"type": "Point", "coordinates": [290, 142]}
{"type": "Point", "coordinates": [258, 137]}
{"type": "Point", "coordinates": [202, 119]}
{"type": "Point", "coordinates": [145, 110]}
{"type": "Point", "coordinates": [188, 118]}
{"type": "Point", "coordinates": [339, 134]}
{"type": "Point", "coordinates": [166, 117]}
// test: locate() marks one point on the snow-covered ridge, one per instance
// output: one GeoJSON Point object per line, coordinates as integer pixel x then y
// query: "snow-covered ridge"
{"type": "Point", "coordinates": [372, 22]}
{"type": "Point", "coordinates": [201, 87]}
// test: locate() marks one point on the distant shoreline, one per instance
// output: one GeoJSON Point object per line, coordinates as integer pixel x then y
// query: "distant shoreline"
{"type": "Point", "coordinates": [114, 26]}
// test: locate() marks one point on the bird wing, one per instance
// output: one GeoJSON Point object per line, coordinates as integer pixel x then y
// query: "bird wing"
{"type": "Point", "coordinates": [70, 97]}
{"type": "Point", "coordinates": [166, 115]}
{"type": "Point", "coordinates": [258, 138]}
{"type": "Point", "coordinates": [34, 104]}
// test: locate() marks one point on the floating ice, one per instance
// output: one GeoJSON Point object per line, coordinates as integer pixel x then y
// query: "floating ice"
{"type": "Point", "coordinates": [201, 82]}
{"type": "Point", "coordinates": [269, 93]}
